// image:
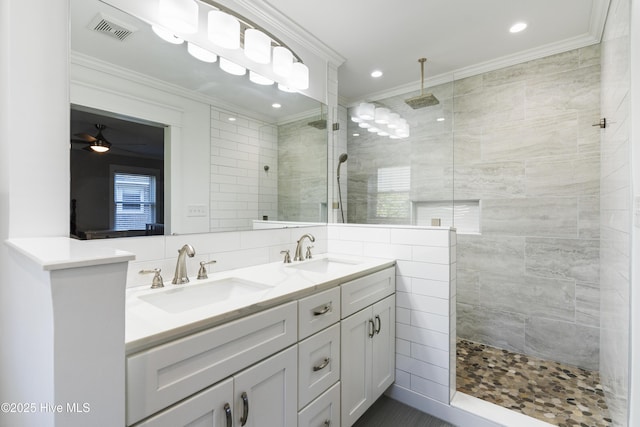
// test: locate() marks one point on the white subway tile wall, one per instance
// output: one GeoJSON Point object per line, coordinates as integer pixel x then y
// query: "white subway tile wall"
{"type": "Point", "coordinates": [425, 340]}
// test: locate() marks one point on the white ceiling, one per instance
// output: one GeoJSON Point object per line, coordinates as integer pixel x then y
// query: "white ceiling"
{"type": "Point", "coordinates": [461, 36]}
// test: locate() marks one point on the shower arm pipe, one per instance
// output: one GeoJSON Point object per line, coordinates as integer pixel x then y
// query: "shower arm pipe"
{"type": "Point", "coordinates": [422, 61]}
{"type": "Point", "coordinates": [247, 23]}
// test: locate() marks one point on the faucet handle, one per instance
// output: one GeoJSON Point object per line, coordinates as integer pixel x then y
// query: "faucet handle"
{"type": "Point", "coordinates": [202, 273]}
{"type": "Point", "coordinates": [308, 254]}
{"type": "Point", "coordinates": [157, 278]}
{"type": "Point", "coordinates": [287, 256]}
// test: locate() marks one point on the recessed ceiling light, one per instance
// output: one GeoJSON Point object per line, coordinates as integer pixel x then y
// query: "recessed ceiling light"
{"type": "Point", "coordinates": [517, 27]}
{"type": "Point", "coordinates": [356, 134]}
{"type": "Point", "coordinates": [376, 74]}
{"type": "Point", "coordinates": [276, 105]}
{"type": "Point", "coordinates": [232, 119]}
{"type": "Point", "coordinates": [440, 119]}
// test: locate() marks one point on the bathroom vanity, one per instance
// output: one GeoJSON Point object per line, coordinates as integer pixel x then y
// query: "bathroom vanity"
{"type": "Point", "coordinates": [310, 343]}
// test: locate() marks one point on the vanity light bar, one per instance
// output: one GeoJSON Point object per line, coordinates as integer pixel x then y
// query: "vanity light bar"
{"type": "Point", "coordinates": [231, 31]}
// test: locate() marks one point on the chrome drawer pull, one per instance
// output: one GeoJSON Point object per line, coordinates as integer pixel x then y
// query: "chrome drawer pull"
{"type": "Point", "coordinates": [378, 324]}
{"type": "Point", "coordinates": [323, 310]}
{"type": "Point", "coordinates": [227, 411]}
{"type": "Point", "coordinates": [372, 329]}
{"type": "Point", "coordinates": [245, 409]}
{"type": "Point", "coordinates": [323, 365]}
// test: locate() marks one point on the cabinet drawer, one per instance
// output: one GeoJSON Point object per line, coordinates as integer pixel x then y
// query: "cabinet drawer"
{"type": "Point", "coordinates": [208, 407]}
{"type": "Point", "coordinates": [318, 311]}
{"type": "Point", "coordinates": [365, 291]}
{"type": "Point", "coordinates": [163, 375]}
{"type": "Point", "coordinates": [324, 411]}
{"type": "Point", "coordinates": [318, 364]}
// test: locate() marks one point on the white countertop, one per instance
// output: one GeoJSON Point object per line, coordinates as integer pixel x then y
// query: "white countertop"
{"type": "Point", "coordinates": [148, 325]}
{"type": "Point", "coordinates": [58, 253]}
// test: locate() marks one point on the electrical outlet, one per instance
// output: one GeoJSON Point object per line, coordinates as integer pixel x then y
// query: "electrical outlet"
{"type": "Point", "coordinates": [197, 210]}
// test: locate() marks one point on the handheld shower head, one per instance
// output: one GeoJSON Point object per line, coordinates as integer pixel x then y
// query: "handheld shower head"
{"type": "Point", "coordinates": [343, 158]}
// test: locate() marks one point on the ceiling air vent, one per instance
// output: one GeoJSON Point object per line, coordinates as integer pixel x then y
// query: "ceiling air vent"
{"type": "Point", "coordinates": [111, 27]}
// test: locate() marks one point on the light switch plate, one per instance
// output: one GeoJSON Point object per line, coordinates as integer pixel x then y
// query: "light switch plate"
{"type": "Point", "coordinates": [196, 210]}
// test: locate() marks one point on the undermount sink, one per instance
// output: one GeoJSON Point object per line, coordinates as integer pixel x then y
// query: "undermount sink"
{"type": "Point", "coordinates": [179, 298]}
{"type": "Point", "coordinates": [323, 265]}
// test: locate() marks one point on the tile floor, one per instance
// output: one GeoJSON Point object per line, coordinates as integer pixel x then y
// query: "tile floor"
{"type": "Point", "coordinates": [386, 412]}
{"type": "Point", "coordinates": [558, 394]}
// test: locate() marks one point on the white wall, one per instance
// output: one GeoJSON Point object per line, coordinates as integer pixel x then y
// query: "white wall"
{"type": "Point", "coordinates": [34, 192]}
{"type": "Point", "coordinates": [615, 213]}
{"type": "Point", "coordinates": [634, 374]}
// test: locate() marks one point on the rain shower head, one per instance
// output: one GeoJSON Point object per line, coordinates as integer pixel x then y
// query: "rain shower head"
{"type": "Point", "coordinates": [318, 124]}
{"type": "Point", "coordinates": [424, 99]}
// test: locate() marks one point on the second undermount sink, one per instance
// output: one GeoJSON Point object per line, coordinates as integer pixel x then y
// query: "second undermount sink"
{"type": "Point", "coordinates": [179, 298]}
{"type": "Point", "coordinates": [323, 265]}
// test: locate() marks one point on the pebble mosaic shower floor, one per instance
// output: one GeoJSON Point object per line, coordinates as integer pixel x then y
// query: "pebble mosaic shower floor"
{"type": "Point", "coordinates": [559, 394]}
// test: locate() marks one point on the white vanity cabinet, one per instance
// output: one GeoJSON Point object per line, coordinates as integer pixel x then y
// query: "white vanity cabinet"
{"type": "Point", "coordinates": [319, 361]}
{"type": "Point", "coordinates": [166, 374]}
{"type": "Point", "coordinates": [264, 394]}
{"type": "Point", "coordinates": [367, 344]}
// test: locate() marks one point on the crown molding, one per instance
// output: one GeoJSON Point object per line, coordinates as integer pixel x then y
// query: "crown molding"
{"type": "Point", "coordinates": [290, 30]}
{"type": "Point", "coordinates": [86, 61]}
{"type": "Point", "coordinates": [587, 39]}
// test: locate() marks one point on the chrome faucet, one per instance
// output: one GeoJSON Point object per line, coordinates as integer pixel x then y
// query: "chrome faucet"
{"type": "Point", "coordinates": [298, 255]}
{"type": "Point", "coordinates": [181, 267]}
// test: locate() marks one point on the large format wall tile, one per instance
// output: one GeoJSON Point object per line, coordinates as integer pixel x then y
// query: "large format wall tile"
{"type": "Point", "coordinates": [533, 296]}
{"type": "Point", "coordinates": [498, 329]}
{"type": "Point", "coordinates": [553, 217]}
{"type": "Point", "coordinates": [563, 341]}
{"type": "Point", "coordinates": [479, 253]}
{"type": "Point", "coordinates": [563, 259]}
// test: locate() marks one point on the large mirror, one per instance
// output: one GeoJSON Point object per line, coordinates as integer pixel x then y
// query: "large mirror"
{"type": "Point", "coordinates": [223, 152]}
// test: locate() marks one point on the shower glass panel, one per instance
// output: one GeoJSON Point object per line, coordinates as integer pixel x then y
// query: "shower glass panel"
{"type": "Point", "coordinates": [406, 180]}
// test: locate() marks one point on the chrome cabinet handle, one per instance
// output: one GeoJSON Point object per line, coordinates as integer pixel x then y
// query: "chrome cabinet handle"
{"type": "Point", "coordinates": [323, 365]}
{"type": "Point", "coordinates": [227, 411]}
{"type": "Point", "coordinates": [378, 324]}
{"type": "Point", "coordinates": [372, 329]}
{"type": "Point", "coordinates": [323, 310]}
{"type": "Point", "coordinates": [245, 409]}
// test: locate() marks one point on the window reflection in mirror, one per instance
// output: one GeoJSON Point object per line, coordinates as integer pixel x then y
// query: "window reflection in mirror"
{"type": "Point", "coordinates": [119, 192]}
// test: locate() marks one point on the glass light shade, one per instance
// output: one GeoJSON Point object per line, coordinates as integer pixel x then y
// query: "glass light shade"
{"type": "Point", "coordinates": [300, 76]}
{"type": "Point", "coordinates": [285, 88]}
{"type": "Point", "coordinates": [382, 116]}
{"type": "Point", "coordinates": [403, 129]}
{"type": "Point", "coordinates": [257, 46]}
{"type": "Point", "coordinates": [366, 111]}
{"type": "Point", "coordinates": [282, 61]}
{"type": "Point", "coordinates": [364, 125]}
{"type": "Point", "coordinates": [383, 133]}
{"type": "Point", "coordinates": [203, 55]}
{"type": "Point", "coordinates": [259, 79]}
{"type": "Point", "coordinates": [373, 129]}
{"type": "Point", "coordinates": [356, 119]}
{"type": "Point", "coordinates": [393, 120]}
{"type": "Point", "coordinates": [232, 67]}
{"type": "Point", "coordinates": [166, 35]}
{"type": "Point", "coordinates": [99, 148]}
{"type": "Point", "coordinates": [224, 30]}
{"type": "Point", "coordinates": [180, 16]}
